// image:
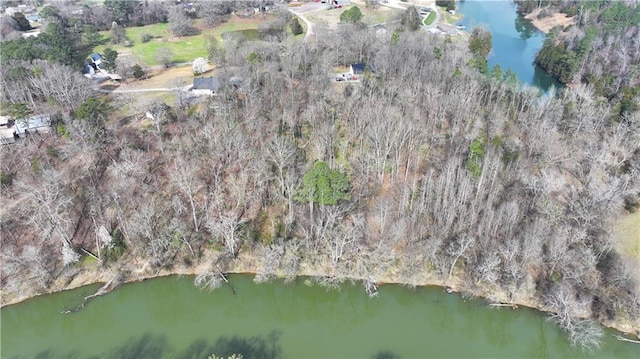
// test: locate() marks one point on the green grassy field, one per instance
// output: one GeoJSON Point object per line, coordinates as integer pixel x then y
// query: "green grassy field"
{"type": "Point", "coordinates": [185, 49]}
{"type": "Point", "coordinates": [429, 19]}
{"type": "Point", "coordinates": [451, 19]}
{"type": "Point", "coordinates": [379, 16]}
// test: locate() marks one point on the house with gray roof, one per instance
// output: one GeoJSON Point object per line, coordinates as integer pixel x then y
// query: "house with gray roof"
{"type": "Point", "coordinates": [206, 86]}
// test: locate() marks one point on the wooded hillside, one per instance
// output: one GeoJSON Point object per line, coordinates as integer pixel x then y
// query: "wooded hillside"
{"type": "Point", "coordinates": [423, 164]}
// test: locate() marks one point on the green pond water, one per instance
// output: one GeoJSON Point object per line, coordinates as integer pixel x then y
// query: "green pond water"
{"type": "Point", "coordinates": [170, 318]}
{"type": "Point", "coordinates": [515, 41]}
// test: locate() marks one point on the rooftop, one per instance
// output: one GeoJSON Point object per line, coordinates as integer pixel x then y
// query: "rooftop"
{"type": "Point", "coordinates": [206, 83]}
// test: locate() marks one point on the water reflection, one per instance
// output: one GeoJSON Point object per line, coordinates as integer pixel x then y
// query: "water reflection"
{"type": "Point", "coordinates": [524, 27]}
{"type": "Point", "coordinates": [154, 346]}
{"type": "Point", "coordinates": [385, 355]}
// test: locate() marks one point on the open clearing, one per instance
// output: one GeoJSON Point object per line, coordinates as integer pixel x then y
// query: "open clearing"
{"type": "Point", "coordinates": [628, 233]}
{"type": "Point", "coordinates": [331, 18]}
{"type": "Point", "coordinates": [547, 23]}
{"type": "Point", "coordinates": [186, 48]}
{"type": "Point", "coordinates": [172, 77]}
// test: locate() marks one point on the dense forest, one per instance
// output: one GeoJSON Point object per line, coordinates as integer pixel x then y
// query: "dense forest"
{"type": "Point", "coordinates": [602, 49]}
{"type": "Point", "coordinates": [423, 166]}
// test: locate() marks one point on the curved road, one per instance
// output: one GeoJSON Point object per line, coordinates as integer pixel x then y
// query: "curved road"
{"type": "Point", "coordinates": [306, 21]}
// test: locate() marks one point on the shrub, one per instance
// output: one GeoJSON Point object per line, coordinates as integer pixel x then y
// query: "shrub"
{"type": "Point", "coordinates": [138, 72]}
{"type": "Point", "coordinates": [296, 28]}
{"type": "Point", "coordinates": [6, 178]}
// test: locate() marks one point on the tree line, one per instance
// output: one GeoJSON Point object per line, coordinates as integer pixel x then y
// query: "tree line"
{"type": "Point", "coordinates": [424, 167]}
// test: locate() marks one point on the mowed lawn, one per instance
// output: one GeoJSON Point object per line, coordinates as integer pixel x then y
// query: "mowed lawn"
{"type": "Point", "coordinates": [184, 49]}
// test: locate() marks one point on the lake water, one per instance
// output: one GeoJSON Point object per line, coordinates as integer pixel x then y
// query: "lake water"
{"type": "Point", "coordinates": [515, 41]}
{"type": "Point", "coordinates": [170, 318]}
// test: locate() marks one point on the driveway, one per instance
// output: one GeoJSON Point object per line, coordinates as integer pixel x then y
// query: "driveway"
{"type": "Point", "coordinates": [300, 12]}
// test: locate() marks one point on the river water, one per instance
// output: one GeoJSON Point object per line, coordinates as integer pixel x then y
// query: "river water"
{"type": "Point", "coordinates": [515, 41]}
{"type": "Point", "coordinates": [170, 318]}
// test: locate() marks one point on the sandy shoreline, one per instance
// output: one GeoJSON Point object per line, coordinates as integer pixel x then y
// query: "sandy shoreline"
{"type": "Point", "coordinates": [549, 22]}
{"type": "Point", "coordinates": [246, 265]}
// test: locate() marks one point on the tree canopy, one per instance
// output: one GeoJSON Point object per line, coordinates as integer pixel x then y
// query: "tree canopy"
{"type": "Point", "coordinates": [353, 15]}
{"type": "Point", "coordinates": [323, 185]}
{"type": "Point", "coordinates": [411, 19]}
{"type": "Point", "coordinates": [480, 46]}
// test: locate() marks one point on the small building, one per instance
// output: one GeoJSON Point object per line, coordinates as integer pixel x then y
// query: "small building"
{"type": "Point", "coordinates": [11, 11]}
{"type": "Point", "coordinates": [88, 70]}
{"type": "Point", "coordinates": [448, 29]}
{"type": "Point", "coordinates": [357, 69]}
{"type": "Point", "coordinates": [206, 86]}
{"type": "Point", "coordinates": [33, 124]}
{"type": "Point", "coordinates": [96, 58]}
{"type": "Point", "coordinates": [33, 18]}
{"type": "Point", "coordinates": [360, 68]}
{"type": "Point", "coordinates": [7, 130]}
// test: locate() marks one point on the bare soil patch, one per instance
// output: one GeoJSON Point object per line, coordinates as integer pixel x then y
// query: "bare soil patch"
{"type": "Point", "coordinates": [549, 22]}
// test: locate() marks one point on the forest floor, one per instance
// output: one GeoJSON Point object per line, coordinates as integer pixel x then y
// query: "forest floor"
{"type": "Point", "coordinates": [547, 23]}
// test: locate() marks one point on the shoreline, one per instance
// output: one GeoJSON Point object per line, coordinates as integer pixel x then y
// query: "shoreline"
{"type": "Point", "coordinates": [494, 296]}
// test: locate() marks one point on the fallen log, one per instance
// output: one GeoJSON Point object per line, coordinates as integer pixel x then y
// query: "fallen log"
{"type": "Point", "coordinates": [233, 289]}
{"type": "Point", "coordinates": [102, 291]}
{"type": "Point", "coordinates": [513, 306]}
{"type": "Point", "coordinates": [621, 338]}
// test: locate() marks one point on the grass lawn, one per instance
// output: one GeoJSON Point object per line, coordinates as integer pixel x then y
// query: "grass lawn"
{"type": "Point", "coordinates": [185, 49]}
{"type": "Point", "coordinates": [331, 18]}
{"type": "Point", "coordinates": [304, 29]}
{"type": "Point", "coordinates": [430, 18]}
{"type": "Point", "coordinates": [379, 15]}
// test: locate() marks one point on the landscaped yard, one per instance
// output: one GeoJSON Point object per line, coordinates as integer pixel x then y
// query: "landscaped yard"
{"type": "Point", "coordinates": [185, 49]}
{"type": "Point", "coordinates": [430, 18]}
{"type": "Point", "coordinates": [370, 16]}
{"type": "Point", "coordinates": [451, 19]}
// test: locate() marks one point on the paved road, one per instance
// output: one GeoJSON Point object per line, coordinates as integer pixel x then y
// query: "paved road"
{"type": "Point", "coordinates": [394, 4]}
